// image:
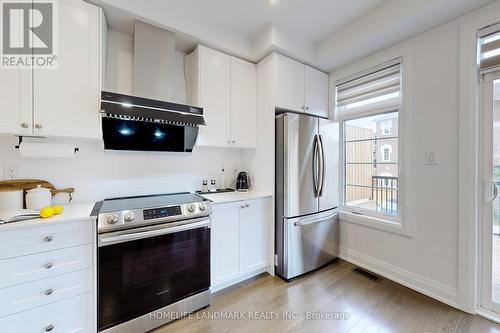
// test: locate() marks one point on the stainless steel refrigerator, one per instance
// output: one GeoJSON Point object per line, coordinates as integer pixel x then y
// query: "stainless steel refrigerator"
{"type": "Point", "coordinates": [307, 165]}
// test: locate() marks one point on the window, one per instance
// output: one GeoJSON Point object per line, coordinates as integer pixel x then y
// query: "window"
{"type": "Point", "coordinates": [385, 153]}
{"type": "Point", "coordinates": [489, 49]}
{"type": "Point", "coordinates": [368, 106]}
{"type": "Point", "coordinates": [385, 127]}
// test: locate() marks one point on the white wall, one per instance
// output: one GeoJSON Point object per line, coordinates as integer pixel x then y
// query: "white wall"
{"type": "Point", "coordinates": [97, 175]}
{"type": "Point", "coordinates": [427, 261]}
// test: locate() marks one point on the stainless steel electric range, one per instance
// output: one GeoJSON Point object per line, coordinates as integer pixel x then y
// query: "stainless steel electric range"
{"type": "Point", "coordinates": [153, 260]}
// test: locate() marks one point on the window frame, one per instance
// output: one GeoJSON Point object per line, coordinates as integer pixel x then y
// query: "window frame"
{"type": "Point", "coordinates": [404, 224]}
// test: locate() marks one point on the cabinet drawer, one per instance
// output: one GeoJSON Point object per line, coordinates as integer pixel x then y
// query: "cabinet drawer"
{"type": "Point", "coordinates": [32, 294]}
{"type": "Point", "coordinates": [45, 264]}
{"type": "Point", "coordinates": [71, 315]}
{"type": "Point", "coordinates": [42, 238]}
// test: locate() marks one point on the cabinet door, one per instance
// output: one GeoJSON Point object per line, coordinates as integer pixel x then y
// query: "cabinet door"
{"type": "Point", "coordinates": [243, 103]}
{"type": "Point", "coordinates": [255, 230]}
{"type": "Point", "coordinates": [289, 84]}
{"type": "Point", "coordinates": [316, 92]}
{"type": "Point", "coordinates": [15, 94]}
{"type": "Point", "coordinates": [66, 99]}
{"type": "Point", "coordinates": [225, 235]}
{"type": "Point", "coordinates": [215, 72]}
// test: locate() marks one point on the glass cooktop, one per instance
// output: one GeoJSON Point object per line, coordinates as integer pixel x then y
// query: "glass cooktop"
{"type": "Point", "coordinates": [149, 201]}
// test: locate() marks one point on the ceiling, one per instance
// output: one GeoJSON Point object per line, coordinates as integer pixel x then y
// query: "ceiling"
{"type": "Point", "coordinates": [323, 33]}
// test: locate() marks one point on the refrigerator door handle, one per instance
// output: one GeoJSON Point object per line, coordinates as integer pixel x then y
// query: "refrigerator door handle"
{"type": "Point", "coordinates": [304, 223]}
{"type": "Point", "coordinates": [322, 166]}
{"type": "Point", "coordinates": [315, 162]}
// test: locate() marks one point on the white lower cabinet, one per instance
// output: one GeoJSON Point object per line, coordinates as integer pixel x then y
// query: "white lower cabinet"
{"type": "Point", "coordinates": [240, 241]}
{"type": "Point", "coordinates": [70, 315]}
{"type": "Point", "coordinates": [47, 279]}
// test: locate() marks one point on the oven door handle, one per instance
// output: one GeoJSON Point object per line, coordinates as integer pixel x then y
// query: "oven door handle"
{"type": "Point", "coordinates": [121, 237]}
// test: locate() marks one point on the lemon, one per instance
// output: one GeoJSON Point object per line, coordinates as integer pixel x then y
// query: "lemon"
{"type": "Point", "coordinates": [46, 212]}
{"type": "Point", "coordinates": [57, 209]}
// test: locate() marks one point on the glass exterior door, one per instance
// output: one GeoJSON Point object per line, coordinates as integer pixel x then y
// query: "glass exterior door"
{"type": "Point", "coordinates": [490, 212]}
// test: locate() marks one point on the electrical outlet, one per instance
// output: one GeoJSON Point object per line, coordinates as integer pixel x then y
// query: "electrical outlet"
{"type": "Point", "coordinates": [10, 171]}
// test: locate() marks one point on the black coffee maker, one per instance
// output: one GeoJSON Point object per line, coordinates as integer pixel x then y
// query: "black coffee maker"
{"type": "Point", "coordinates": [242, 182]}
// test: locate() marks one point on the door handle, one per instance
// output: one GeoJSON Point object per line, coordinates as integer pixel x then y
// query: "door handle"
{"type": "Point", "coordinates": [315, 165]}
{"type": "Point", "coordinates": [495, 190]}
{"type": "Point", "coordinates": [322, 166]}
{"type": "Point", "coordinates": [304, 223]}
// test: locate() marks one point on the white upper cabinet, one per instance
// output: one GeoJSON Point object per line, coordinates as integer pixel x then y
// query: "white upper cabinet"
{"type": "Point", "coordinates": [289, 84]}
{"type": "Point", "coordinates": [243, 103]}
{"type": "Point", "coordinates": [215, 73]}
{"type": "Point", "coordinates": [299, 87]}
{"type": "Point", "coordinates": [316, 92]}
{"type": "Point", "coordinates": [225, 87]}
{"type": "Point", "coordinates": [15, 96]}
{"type": "Point", "coordinates": [64, 101]}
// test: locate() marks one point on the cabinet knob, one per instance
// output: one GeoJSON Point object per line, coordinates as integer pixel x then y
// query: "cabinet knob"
{"type": "Point", "coordinates": [234, 141]}
{"type": "Point", "coordinates": [307, 108]}
{"type": "Point", "coordinates": [48, 265]}
{"type": "Point", "coordinates": [247, 205]}
{"type": "Point", "coordinates": [49, 238]}
{"type": "Point", "coordinates": [49, 292]}
{"type": "Point", "coordinates": [242, 206]}
{"type": "Point", "coordinates": [38, 126]}
{"type": "Point", "coordinates": [24, 125]}
{"type": "Point", "coordinates": [49, 328]}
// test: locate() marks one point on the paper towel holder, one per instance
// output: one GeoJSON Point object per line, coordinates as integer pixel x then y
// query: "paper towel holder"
{"type": "Point", "coordinates": [36, 137]}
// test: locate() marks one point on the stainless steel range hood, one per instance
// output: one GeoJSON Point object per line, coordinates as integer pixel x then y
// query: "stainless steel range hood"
{"type": "Point", "coordinates": [148, 121]}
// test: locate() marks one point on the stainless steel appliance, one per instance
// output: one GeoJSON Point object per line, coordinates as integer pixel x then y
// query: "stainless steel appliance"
{"type": "Point", "coordinates": [242, 182]}
{"type": "Point", "coordinates": [141, 124]}
{"type": "Point", "coordinates": [153, 260]}
{"type": "Point", "coordinates": [306, 221]}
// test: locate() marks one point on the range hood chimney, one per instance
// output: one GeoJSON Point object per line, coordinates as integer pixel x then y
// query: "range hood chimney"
{"type": "Point", "coordinates": [154, 61]}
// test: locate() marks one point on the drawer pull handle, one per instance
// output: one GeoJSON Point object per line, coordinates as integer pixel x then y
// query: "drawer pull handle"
{"type": "Point", "coordinates": [48, 265]}
{"type": "Point", "coordinates": [49, 238]}
{"type": "Point", "coordinates": [49, 328]}
{"type": "Point", "coordinates": [49, 292]}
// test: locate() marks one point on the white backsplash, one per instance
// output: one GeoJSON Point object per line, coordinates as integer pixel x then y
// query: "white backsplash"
{"type": "Point", "coordinates": [96, 174]}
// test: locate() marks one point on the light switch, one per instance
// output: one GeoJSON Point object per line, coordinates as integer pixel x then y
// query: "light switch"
{"type": "Point", "coordinates": [430, 158]}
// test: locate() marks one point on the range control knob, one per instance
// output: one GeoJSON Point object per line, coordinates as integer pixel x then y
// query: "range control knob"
{"type": "Point", "coordinates": [202, 206]}
{"type": "Point", "coordinates": [128, 216]}
{"type": "Point", "coordinates": [112, 218]}
{"type": "Point", "coordinates": [191, 208]}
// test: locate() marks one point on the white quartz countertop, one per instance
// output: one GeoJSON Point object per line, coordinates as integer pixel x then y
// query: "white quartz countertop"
{"type": "Point", "coordinates": [226, 197]}
{"type": "Point", "coordinates": [71, 212]}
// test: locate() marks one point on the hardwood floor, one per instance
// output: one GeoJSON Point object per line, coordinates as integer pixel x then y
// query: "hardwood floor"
{"type": "Point", "coordinates": [353, 302]}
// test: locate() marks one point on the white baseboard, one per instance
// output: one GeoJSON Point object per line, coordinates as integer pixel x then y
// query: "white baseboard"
{"type": "Point", "coordinates": [422, 284]}
{"type": "Point", "coordinates": [490, 315]}
{"type": "Point", "coordinates": [239, 279]}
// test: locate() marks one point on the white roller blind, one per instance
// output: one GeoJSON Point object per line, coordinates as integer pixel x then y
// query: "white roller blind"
{"type": "Point", "coordinates": [489, 49]}
{"type": "Point", "coordinates": [372, 91]}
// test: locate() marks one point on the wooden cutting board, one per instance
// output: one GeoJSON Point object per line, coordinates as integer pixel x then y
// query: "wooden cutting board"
{"type": "Point", "coordinates": [28, 184]}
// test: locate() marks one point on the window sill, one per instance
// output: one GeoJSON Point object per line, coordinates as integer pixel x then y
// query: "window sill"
{"type": "Point", "coordinates": [395, 227]}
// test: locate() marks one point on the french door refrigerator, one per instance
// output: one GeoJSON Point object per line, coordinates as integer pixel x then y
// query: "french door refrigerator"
{"type": "Point", "coordinates": [307, 165]}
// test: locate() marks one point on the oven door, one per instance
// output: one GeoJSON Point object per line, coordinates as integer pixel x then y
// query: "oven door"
{"type": "Point", "coordinates": [144, 269]}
